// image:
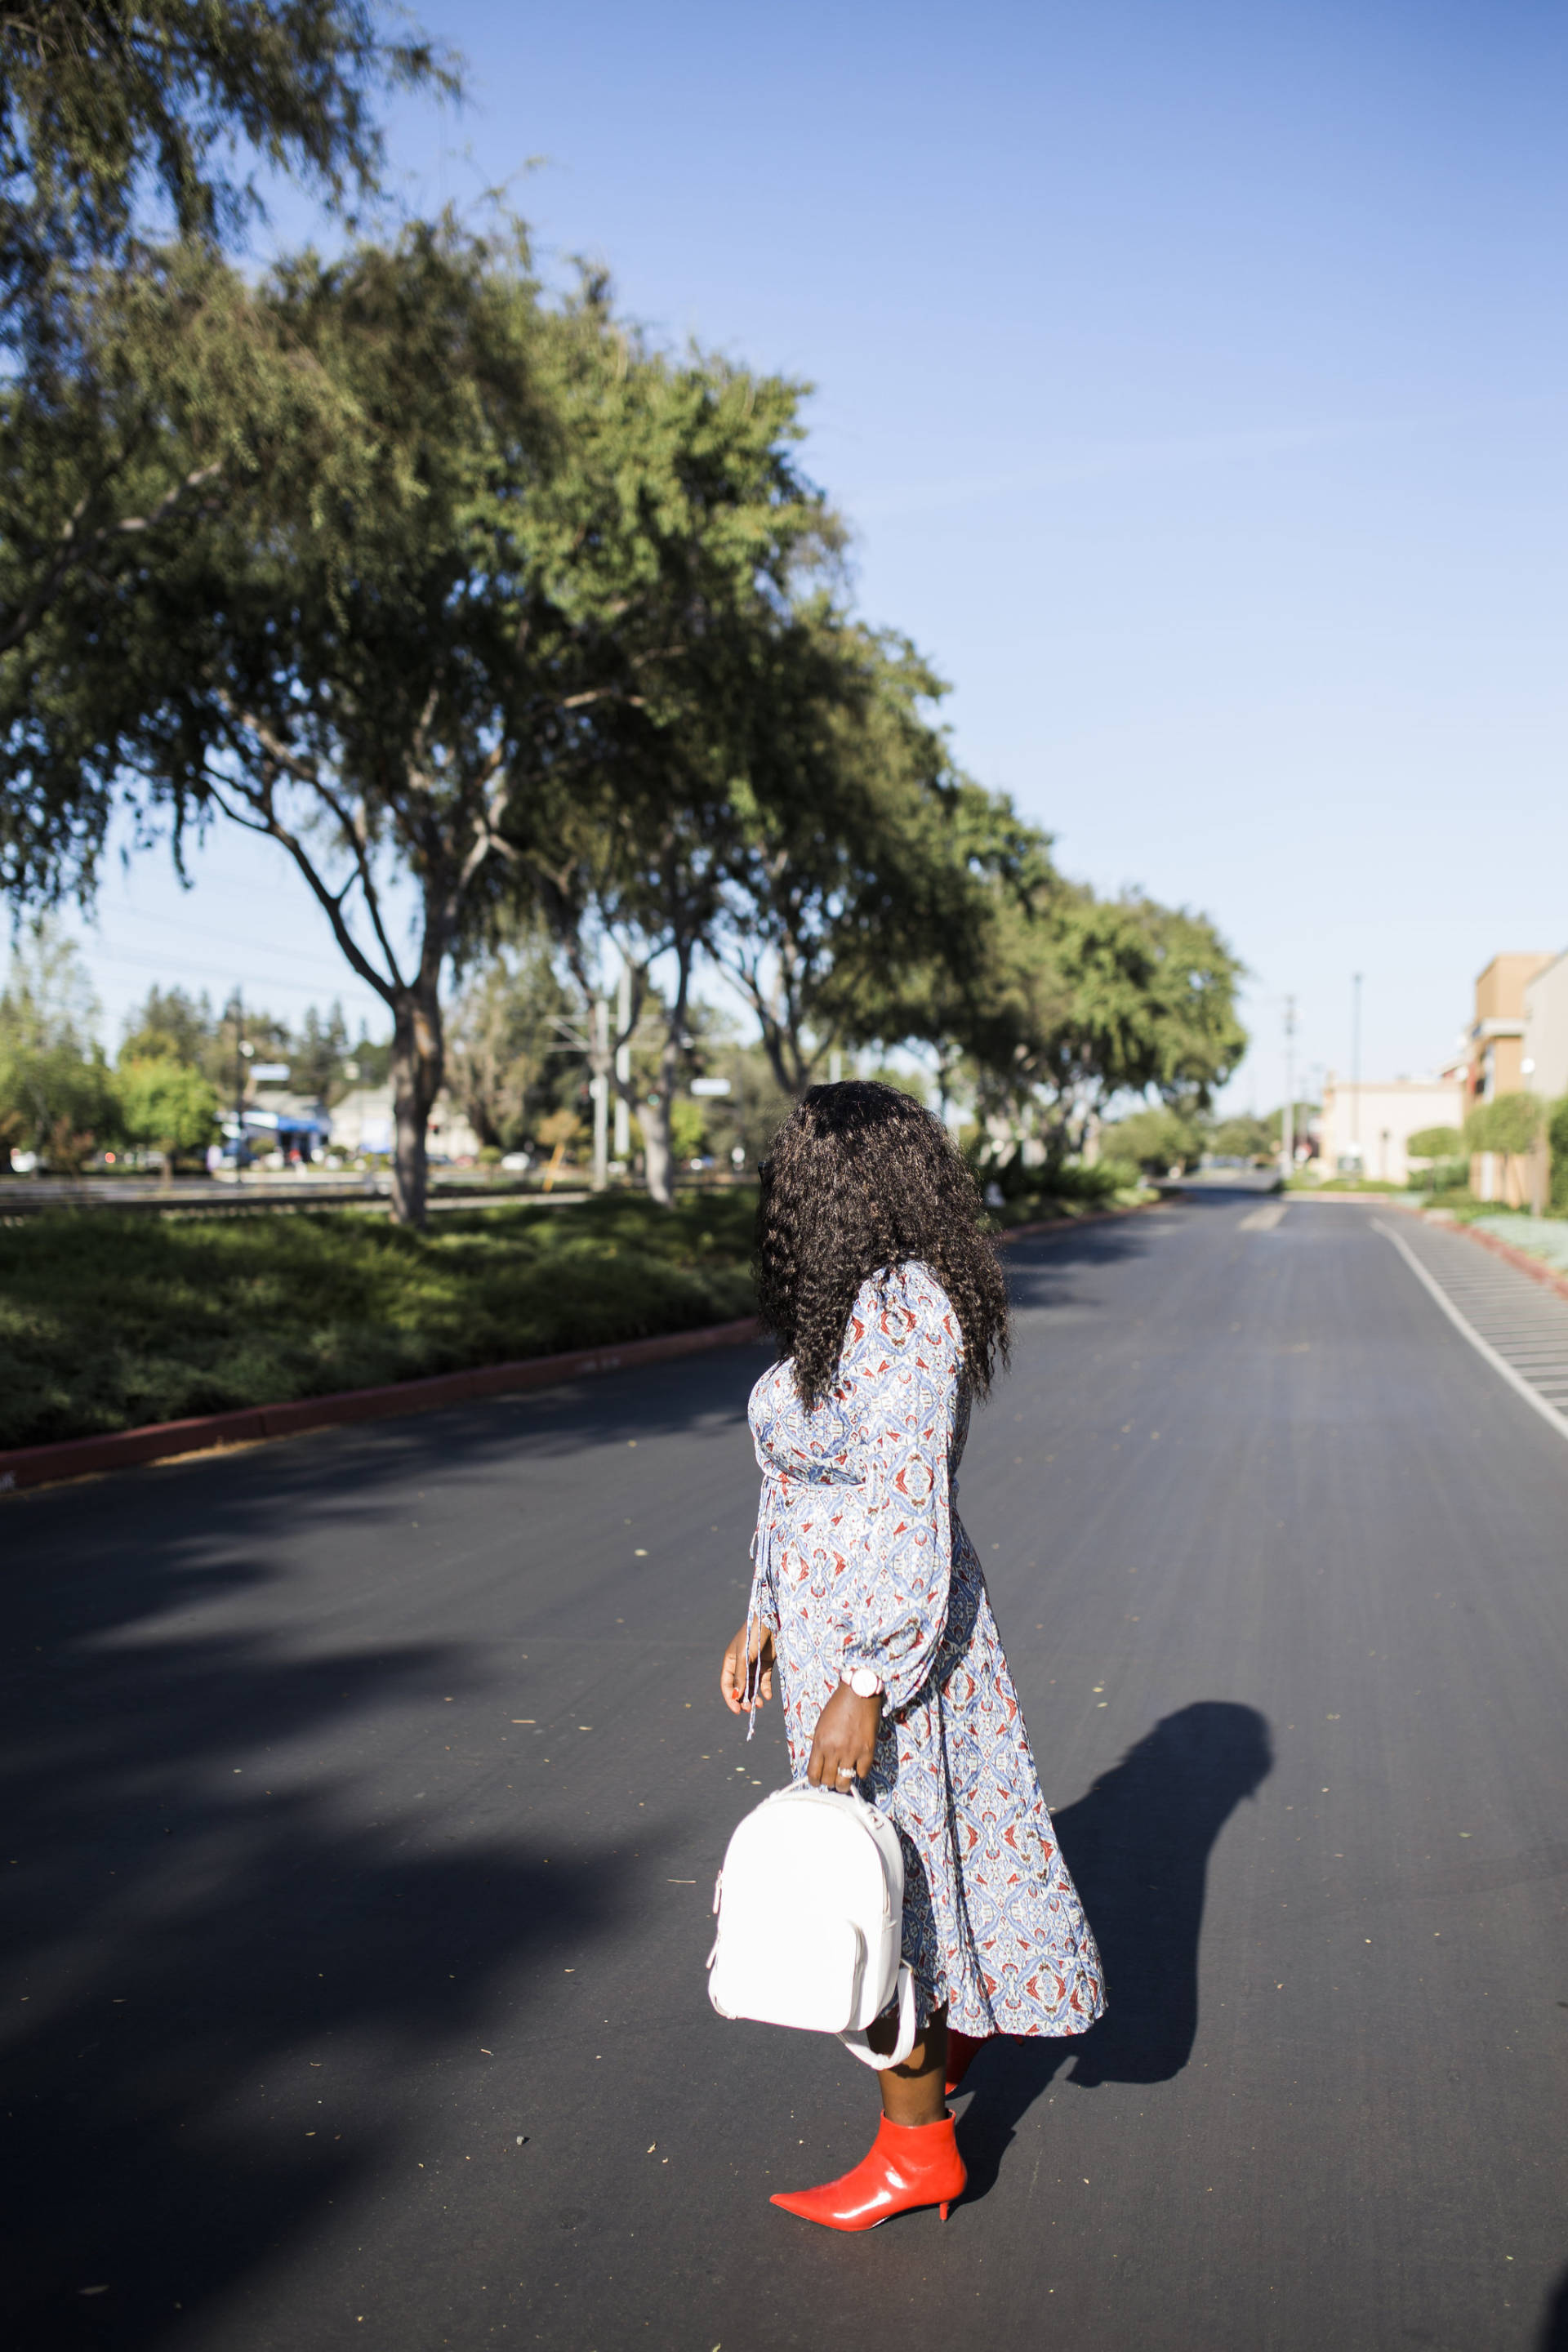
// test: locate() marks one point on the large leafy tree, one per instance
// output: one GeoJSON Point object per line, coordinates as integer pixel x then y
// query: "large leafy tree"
{"type": "Point", "coordinates": [455, 669]}
{"type": "Point", "coordinates": [858, 848]}
{"type": "Point", "coordinates": [138, 384]}
{"type": "Point", "coordinates": [1086, 999]}
{"type": "Point", "coordinates": [56, 1092]}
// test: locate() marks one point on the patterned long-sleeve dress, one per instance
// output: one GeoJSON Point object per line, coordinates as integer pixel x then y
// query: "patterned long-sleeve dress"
{"type": "Point", "coordinates": [861, 1560]}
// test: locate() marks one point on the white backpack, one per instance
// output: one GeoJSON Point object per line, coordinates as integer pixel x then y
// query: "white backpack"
{"type": "Point", "coordinates": [810, 1904]}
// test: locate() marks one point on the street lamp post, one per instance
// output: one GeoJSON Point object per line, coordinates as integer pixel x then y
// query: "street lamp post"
{"type": "Point", "coordinates": [1288, 1124]}
{"type": "Point", "coordinates": [624, 1064]}
{"type": "Point", "coordinates": [1355, 1070]}
{"type": "Point", "coordinates": [599, 1088]}
{"type": "Point", "coordinates": [243, 1052]}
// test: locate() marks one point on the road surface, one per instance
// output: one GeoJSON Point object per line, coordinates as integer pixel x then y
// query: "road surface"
{"type": "Point", "coordinates": [364, 1795]}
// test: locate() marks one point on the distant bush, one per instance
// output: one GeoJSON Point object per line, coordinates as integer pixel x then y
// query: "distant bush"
{"type": "Point", "coordinates": [1557, 1136]}
{"type": "Point", "coordinates": [1155, 1137]}
{"type": "Point", "coordinates": [1070, 1190]}
{"type": "Point", "coordinates": [1434, 1143]}
{"type": "Point", "coordinates": [1511, 1123]}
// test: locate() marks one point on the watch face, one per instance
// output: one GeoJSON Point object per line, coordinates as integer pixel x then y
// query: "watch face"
{"type": "Point", "coordinates": [863, 1682]}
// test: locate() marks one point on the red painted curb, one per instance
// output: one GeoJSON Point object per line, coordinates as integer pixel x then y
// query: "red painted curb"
{"type": "Point", "coordinates": [30, 1467]}
{"type": "Point", "coordinates": [1537, 1268]}
{"type": "Point", "coordinates": [82, 1457]}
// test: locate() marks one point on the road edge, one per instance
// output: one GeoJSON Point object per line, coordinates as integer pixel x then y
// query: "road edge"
{"type": "Point", "coordinates": [27, 1468]}
{"type": "Point", "coordinates": [1538, 1269]}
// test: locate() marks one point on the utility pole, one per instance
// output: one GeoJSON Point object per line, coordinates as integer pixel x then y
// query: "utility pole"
{"type": "Point", "coordinates": [1355, 1069]}
{"type": "Point", "coordinates": [1288, 1126]}
{"type": "Point", "coordinates": [624, 1064]}
{"type": "Point", "coordinates": [242, 1054]}
{"type": "Point", "coordinates": [599, 1088]}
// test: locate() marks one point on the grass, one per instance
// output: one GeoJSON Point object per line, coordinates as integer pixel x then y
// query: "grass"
{"type": "Point", "coordinates": [1076, 1193]}
{"type": "Point", "coordinates": [1342, 1184]}
{"type": "Point", "coordinates": [111, 1321]}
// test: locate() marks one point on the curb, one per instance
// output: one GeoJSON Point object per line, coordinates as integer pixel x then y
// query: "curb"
{"type": "Point", "coordinates": [84, 1457]}
{"type": "Point", "coordinates": [1537, 1268]}
{"type": "Point", "coordinates": [28, 1467]}
{"type": "Point", "coordinates": [1074, 1224]}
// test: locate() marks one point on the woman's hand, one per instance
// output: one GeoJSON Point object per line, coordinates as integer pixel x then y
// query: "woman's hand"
{"type": "Point", "coordinates": [732, 1673]}
{"type": "Point", "coordinates": [846, 1737]}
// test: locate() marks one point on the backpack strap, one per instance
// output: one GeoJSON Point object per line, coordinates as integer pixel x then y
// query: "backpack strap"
{"type": "Point", "coordinates": [857, 2045]}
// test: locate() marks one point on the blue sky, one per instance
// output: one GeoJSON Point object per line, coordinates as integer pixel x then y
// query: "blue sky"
{"type": "Point", "coordinates": [1196, 382]}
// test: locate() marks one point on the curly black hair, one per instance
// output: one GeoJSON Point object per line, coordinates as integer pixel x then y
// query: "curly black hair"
{"type": "Point", "coordinates": [859, 1178]}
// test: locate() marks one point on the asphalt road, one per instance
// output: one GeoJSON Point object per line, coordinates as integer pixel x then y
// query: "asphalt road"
{"type": "Point", "coordinates": [363, 1797]}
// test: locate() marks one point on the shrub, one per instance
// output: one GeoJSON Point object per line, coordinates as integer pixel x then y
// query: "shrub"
{"type": "Point", "coordinates": [1511, 1123]}
{"type": "Point", "coordinates": [108, 1320]}
{"type": "Point", "coordinates": [1557, 1135]}
{"type": "Point", "coordinates": [1434, 1143]}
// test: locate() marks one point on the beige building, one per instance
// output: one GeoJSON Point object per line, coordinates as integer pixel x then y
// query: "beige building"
{"type": "Point", "coordinates": [1497, 1049]}
{"type": "Point", "coordinates": [1543, 1063]}
{"type": "Point", "coordinates": [1365, 1129]}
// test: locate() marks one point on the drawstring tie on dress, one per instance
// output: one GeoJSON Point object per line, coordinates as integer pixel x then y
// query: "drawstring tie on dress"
{"type": "Point", "coordinates": [762, 1558]}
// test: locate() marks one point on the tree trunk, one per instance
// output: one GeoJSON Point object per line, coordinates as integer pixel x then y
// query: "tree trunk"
{"type": "Point", "coordinates": [417, 1065]}
{"type": "Point", "coordinates": [658, 1152]}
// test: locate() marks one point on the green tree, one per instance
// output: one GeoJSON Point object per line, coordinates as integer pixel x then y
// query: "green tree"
{"type": "Point", "coordinates": [124, 122]}
{"type": "Point", "coordinates": [852, 904]}
{"type": "Point", "coordinates": [1511, 1124]}
{"type": "Point", "coordinates": [167, 1104]}
{"type": "Point", "coordinates": [57, 1097]}
{"type": "Point", "coordinates": [1434, 1143]}
{"type": "Point", "coordinates": [508, 1066]}
{"type": "Point", "coordinates": [1557, 1137]}
{"type": "Point", "coordinates": [317, 1054]}
{"type": "Point", "coordinates": [170, 1023]}
{"type": "Point", "coordinates": [468, 663]}
{"type": "Point", "coordinates": [1155, 1138]}
{"type": "Point", "coordinates": [141, 384]}
{"type": "Point", "coordinates": [1244, 1137]}
{"type": "Point", "coordinates": [1086, 999]}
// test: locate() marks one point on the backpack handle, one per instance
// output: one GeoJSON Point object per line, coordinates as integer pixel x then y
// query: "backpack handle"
{"type": "Point", "coordinates": [857, 2045]}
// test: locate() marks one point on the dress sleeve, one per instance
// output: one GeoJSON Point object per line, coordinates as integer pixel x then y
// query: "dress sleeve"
{"type": "Point", "coordinates": [903, 1367]}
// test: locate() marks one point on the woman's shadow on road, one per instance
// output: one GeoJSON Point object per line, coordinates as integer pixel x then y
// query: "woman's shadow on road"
{"type": "Point", "coordinates": [1138, 1846]}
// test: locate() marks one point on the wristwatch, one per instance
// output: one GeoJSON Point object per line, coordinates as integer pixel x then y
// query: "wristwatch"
{"type": "Point", "coordinates": [864, 1682]}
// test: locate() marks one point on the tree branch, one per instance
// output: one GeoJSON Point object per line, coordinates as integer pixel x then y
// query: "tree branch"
{"type": "Point", "coordinates": [72, 547]}
{"type": "Point", "coordinates": [268, 823]}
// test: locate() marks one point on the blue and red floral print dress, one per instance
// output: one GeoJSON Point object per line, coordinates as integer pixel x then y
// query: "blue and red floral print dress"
{"type": "Point", "coordinates": [861, 1560]}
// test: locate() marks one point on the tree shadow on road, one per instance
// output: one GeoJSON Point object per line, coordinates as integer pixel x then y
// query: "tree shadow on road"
{"type": "Point", "coordinates": [1039, 1271]}
{"type": "Point", "coordinates": [217, 1992]}
{"type": "Point", "coordinates": [1138, 1846]}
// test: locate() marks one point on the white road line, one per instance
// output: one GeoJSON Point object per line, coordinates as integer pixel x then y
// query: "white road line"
{"type": "Point", "coordinates": [1548, 1412]}
{"type": "Point", "coordinates": [1264, 1220]}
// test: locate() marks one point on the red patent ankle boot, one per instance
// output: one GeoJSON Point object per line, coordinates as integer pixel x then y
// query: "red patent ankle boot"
{"type": "Point", "coordinates": [908, 2165]}
{"type": "Point", "coordinates": [960, 2049]}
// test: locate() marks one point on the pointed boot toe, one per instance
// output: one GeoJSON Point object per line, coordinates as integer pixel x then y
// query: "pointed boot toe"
{"type": "Point", "coordinates": [907, 2165]}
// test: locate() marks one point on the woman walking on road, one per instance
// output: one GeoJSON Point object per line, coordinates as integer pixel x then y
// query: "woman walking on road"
{"type": "Point", "coordinates": [868, 1600]}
